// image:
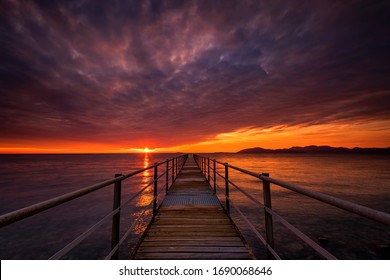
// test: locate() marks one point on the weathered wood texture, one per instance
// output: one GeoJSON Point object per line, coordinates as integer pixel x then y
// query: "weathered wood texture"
{"type": "Point", "coordinates": [191, 224]}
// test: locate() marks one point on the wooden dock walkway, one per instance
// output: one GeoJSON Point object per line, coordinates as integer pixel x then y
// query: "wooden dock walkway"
{"type": "Point", "coordinates": [191, 224]}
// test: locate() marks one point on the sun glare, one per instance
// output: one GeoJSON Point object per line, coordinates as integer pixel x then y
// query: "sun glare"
{"type": "Point", "coordinates": [146, 150]}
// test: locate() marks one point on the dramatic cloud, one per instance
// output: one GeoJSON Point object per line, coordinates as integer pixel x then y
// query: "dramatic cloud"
{"type": "Point", "coordinates": [169, 73]}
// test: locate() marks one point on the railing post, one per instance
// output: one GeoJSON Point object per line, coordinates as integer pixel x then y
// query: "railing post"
{"type": "Point", "coordinates": [208, 169]}
{"type": "Point", "coordinates": [116, 219]}
{"type": "Point", "coordinates": [166, 175]}
{"type": "Point", "coordinates": [173, 170]}
{"type": "Point", "coordinates": [268, 217]}
{"type": "Point", "coordinates": [155, 189]}
{"type": "Point", "coordinates": [215, 177]}
{"type": "Point", "coordinates": [176, 170]}
{"type": "Point", "coordinates": [227, 187]}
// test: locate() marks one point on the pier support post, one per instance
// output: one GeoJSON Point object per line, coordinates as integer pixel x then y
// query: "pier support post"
{"type": "Point", "coordinates": [173, 170]}
{"type": "Point", "coordinates": [227, 187]}
{"type": "Point", "coordinates": [155, 189]}
{"type": "Point", "coordinates": [176, 167]}
{"type": "Point", "coordinates": [269, 229]}
{"type": "Point", "coordinates": [166, 175]}
{"type": "Point", "coordinates": [215, 176]}
{"type": "Point", "coordinates": [208, 170]}
{"type": "Point", "coordinates": [116, 218]}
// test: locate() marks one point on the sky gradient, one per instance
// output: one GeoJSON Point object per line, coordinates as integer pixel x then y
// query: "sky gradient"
{"type": "Point", "coordinates": [114, 76]}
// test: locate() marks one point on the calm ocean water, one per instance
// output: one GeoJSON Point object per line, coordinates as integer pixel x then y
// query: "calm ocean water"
{"type": "Point", "coordinates": [28, 179]}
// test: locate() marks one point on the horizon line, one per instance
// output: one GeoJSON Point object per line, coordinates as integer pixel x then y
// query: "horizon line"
{"type": "Point", "coordinates": [152, 151]}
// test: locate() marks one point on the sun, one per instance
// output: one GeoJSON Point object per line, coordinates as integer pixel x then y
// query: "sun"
{"type": "Point", "coordinates": [146, 150]}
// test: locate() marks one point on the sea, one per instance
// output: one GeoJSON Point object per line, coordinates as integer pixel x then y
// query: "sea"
{"type": "Point", "coordinates": [29, 179]}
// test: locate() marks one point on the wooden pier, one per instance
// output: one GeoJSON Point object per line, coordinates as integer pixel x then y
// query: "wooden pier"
{"type": "Point", "coordinates": [191, 224]}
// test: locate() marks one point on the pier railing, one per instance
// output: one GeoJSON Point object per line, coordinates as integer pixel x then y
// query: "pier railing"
{"type": "Point", "coordinates": [171, 168]}
{"type": "Point", "coordinates": [209, 168]}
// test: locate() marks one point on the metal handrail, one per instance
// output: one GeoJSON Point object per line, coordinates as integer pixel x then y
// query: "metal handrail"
{"type": "Point", "coordinates": [204, 164]}
{"type": "Point", "coordinates": [361, 210]}
{"type": "Point", "coordinates": [28, 211]}
{"type": "Point", "coordinates": [82, 237]}
{"type": "Point", "coordinates": [251, 226]}
{"type": "Point", "coordinates": [176, 164]}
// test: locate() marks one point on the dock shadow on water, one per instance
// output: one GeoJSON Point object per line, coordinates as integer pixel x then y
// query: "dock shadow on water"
{"type": "Point", "coordinates": [29, 179]}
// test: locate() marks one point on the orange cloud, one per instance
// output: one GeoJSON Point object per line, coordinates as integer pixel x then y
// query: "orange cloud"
{"type": "Point", "coordinates": [369, 134]}
{"type": "Point", "coordinates": [372, 134]}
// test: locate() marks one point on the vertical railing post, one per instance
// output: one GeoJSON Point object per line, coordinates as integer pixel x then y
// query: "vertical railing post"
{"type": "Point", "coordinates": [155, 189]}
{"type": "Point", "coordinates": [116, 219]}
{"type": "Point", "coordinates": [208, 169]}
{"type": "Point", "coordinates": [176, 167]}
{"type": "Point", "coordinates": [173, 170]}
{"type": "Point", "coordinates": [268, 217]}
{"type": "Point", "coordinates": [215, 177]}
{"type": "Point", "coordinates": [166, 175]}
{"type": "Point", "coordinates": [227, 187]}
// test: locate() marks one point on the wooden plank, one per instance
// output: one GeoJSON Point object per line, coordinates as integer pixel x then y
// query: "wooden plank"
{"type": "Point", "coordinates": [217, 221]}
{"type": "Point", "coordinates": [223, 238]}
{"type": "Point", "coordinates": [193, 238]}
{"type": "Point", "coordinates": [209, 209]}
{"type": "Point", "coordinates": [190, 233]}
{"type": "Point", "coordinates": [205, 210]}
{"type": "Point", "coordinates": [192, 222]}
{"type": "Point", "coordinates": [189, 249]}
{"type": "Point", "coordinates": [196, 228]}
{"type": "Point", "coordinates": [193, 227]}
{"type": "Point", "coordinates": [212, 219]}
{"type": "Point", "coordinates": [190, 217]}
{"type": "Point", "coordinates": [207, 243]}
{"type": "Point", "coordinates": [193, 256]}
{"type": "Point", "coordinates": [199, 214]}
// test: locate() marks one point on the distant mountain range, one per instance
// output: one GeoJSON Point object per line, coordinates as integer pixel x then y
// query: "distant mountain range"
{"type": "Point", "coordinates": [317, 149]}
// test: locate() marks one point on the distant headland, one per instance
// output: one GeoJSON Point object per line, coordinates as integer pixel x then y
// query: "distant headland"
{"type": "Point", "coordinates": [317, 149]}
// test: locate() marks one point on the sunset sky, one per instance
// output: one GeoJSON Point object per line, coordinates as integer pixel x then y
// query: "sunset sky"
{"type": "Point", "coordinates": [193, 76]}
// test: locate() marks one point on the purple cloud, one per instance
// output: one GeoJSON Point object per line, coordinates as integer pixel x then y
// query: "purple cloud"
{"type": "Point", "coordinates": [180, 72]}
